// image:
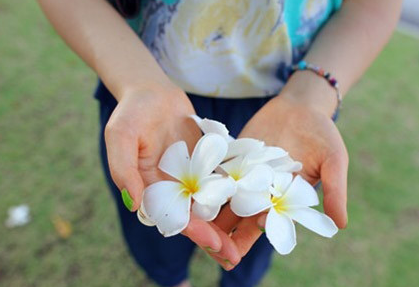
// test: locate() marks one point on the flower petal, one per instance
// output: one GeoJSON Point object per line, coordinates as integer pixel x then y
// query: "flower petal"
{"type": "Point", "coordinates": [166, 205]}
{"type": "Point", "coordinates": [196, 118]}
{"type": "Point", "coordinates": [300, 192]}
{"type": "Point", "coordinates": [215, 190]}
{"type": "Point", "coordinates": [175, 160]}
{"type": "Point", "coordinates": [245, 203]}
{"type": "Point", "coordinates": [212, 126]}
{"type": "Point", "coordinates": [265, 154]}
{"type": "Point", "coordinates": [259, 178]}
{"type": "Point", "coordinates": [243, 146]}
{"type": "Point", "coordinates": [158, 196]}
{"type": "Point", "coordinates": [205, 212]}
{"type": "Point", "coordinates": [208, 154]}
{"type": "Point", "coordinates": [313, 220]}
{"type": "Point", "coordinates": [233, 166]}
{"type": "Point", "coordinates": [143, 217]}
{"type": "Point", "coordinates": [176, 217]}
{"type": "Point", "coordinates": [286, 164]}
{"type": "Point", "coordinates": [280, 231]}
{"type": "Point", "coordinates": [282, 181]}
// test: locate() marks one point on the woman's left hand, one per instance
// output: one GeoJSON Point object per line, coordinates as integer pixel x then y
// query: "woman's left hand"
{"type": "Point", "coordinates": [311, 137]}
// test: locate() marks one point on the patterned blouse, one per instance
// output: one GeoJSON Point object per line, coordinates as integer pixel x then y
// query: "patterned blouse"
{"type": "Point", "coordinates": [230, 48]}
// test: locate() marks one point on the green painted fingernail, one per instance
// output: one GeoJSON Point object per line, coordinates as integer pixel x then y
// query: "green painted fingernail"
{"type": "Point", "coordinates": [262, 229]}
{"type": "Point", "coordinates": [126, 198]}
{"type": "Point", "coordinates": [209, 249]}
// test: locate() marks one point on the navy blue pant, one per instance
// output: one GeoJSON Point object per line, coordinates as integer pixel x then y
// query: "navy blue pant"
{"type": "Point", "coordinates": [165, 260]}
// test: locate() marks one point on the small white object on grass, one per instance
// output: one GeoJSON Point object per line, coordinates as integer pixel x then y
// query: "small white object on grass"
{"type": "Point", "coordinates": [18, 216]}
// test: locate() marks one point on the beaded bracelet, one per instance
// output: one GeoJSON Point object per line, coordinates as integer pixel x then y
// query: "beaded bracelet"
{"type": "Point", "coordinates": [303, 65]}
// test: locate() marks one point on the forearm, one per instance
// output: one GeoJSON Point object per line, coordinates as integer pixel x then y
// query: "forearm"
{"type": "Point", "coordinates": [101, 37]}
{"type": "Point", "coordinates": [345, 47]}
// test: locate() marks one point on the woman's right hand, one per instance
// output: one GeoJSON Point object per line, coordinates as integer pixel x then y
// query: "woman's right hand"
{"type": "Point", "coordinates": [144, 123]}
{"type": "Point", "coordinates": [147, 119]}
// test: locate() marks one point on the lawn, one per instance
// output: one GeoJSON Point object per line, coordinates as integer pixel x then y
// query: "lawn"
{"type": "Point", "coordinates": [49, 160]}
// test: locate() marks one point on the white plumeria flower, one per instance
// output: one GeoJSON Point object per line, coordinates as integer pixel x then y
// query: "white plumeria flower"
{"type": "Point", "coordinates": [247, 175]}
{"type": "Point", "coordinates": [266, 154]}
{"type": "Point", "coordinates": [275, 157]}
{"type": "Point", "coordinates": [254, 174]}
{"type": "Point", "coordinates": [212, 126]}
{"type": "Point", "coordinates": [236, 147]}
{"type": "Point", "coordinates": [166, 204]}
{"type": "Point", "coordinates": [242, 146]}
{"type": "Point", "coordinates": [250, 171]}
{"type": "Point", "coordinates": [289, 199]}
{"type": "Point", "coordinates": [285, 164]}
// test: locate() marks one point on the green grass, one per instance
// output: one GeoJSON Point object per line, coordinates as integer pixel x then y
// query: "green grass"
{"type": "Point", "coordinates": [49, 160]}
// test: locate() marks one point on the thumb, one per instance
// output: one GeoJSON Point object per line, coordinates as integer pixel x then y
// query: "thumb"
{"type": "Point", "coordinates": [334, 173]}
{"type": "Point", "coordinates": [122, 151]}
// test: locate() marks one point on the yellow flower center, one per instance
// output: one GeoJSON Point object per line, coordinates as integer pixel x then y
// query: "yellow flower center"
{"type": "Point", "coordinates": [279, 204]}
{"type": "Point", "coordinates": [236, 175]}
{"type": "Point", "coordinates": [189, 185]}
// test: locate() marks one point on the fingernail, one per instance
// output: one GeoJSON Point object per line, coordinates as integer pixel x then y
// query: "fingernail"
{"type": "Point", "coordinates": [228, 265]}
{"type": "Point", "coordinates": [228, 262]}
{"type": "Point", "coordinates": [126, 198]}
{"type": "Point", "coordinates": [209, 249]}
{"type": "Point", "coordinates": [262, 229]}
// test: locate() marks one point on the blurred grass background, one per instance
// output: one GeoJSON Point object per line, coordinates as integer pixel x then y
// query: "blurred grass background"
{"type": "Point", "coordinates": [49, 160]}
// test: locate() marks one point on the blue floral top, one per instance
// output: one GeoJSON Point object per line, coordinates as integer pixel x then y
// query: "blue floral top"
{"type": "Point", "coordinates": [230, 48]}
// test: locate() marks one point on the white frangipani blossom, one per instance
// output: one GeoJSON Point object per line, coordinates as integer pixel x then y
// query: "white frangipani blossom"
{"type": "Point", "coordinates": [167, 204]}
{"type": "Point", "coordinates": [249, 176]}
{"type": "Point", "coordinates": [256, 177]}
{"type": "Point", "coordinates": [273, 156]}
{"type": "Point", "coordinates": [212, 126]}
{"type": "Point", "coordinates": [285, 164]}
{"type": "Point", "coordinates": [287, 200]}
{"type": "Point", "coordinates": [253, 174]}
{"type": "Point", "coordinates": [143, 217]}
{"type": "Point", "coordinates": [236, 147]}
{"type": "Point", "coordinates": [250, 163]}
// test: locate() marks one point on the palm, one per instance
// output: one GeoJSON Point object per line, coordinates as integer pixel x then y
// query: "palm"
{"type": "Point", "coordinates": [308, 136]}
{"type": "Point", "coordinates": [153, 125]}
{"type": "Point", "coordinates": [150, 154]}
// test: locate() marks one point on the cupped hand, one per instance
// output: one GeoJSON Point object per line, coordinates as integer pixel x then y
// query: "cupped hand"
{"type": "Point", "coordinates": [310, 137]}
{"type": "Point", "coordinates": [142, 126]}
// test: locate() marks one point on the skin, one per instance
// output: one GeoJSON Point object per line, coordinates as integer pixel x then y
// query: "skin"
{"type": "Point", "coordinates": [299, 118]}
{"type": "Point", "coordinates": [152, 111]}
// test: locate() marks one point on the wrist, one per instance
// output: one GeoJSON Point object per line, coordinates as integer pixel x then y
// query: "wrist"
{"type": "Point", "coordinates": [308, 90]}
{"type": "Point", "coordinates": [162, 101]}
{"type": "Point", "coordinates": [163, 89]}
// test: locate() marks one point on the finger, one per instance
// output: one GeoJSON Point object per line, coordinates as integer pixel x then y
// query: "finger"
{"type": "Point", "coordinates": [225, 263]}
{"type": "Point", "coordinates": [246, 234]}
{"type": "Point", "coordinates": [228, 257]}
{"type": "Point", "coordinates": [203, 234]}
{"type": "Point", "coordinates": [226, 219]}
{"type": "Point", "coordinates": [122, 151]}
{"type": "Point", "coordinates": [334, 173]}
{"type": "Point", "coordinates": [229, 254]}
{"type": "Point", "coordinates": [214, 241]}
